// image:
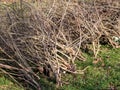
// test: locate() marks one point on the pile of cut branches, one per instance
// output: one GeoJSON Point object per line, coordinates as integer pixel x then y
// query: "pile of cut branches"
{"type": "Point", "coordinates": [46, 40]}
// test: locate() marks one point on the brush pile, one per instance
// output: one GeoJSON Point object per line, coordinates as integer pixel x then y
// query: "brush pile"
{"type": "Point", "coordinates": [46, 38]}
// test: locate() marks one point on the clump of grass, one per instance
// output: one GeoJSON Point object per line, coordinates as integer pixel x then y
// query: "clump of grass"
{"type": "Point", "coordinates": [8, 85]}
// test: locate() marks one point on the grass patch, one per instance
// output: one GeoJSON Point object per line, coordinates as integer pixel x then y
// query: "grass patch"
{"type": "Point", "coordinates": [104, 75]}
{"type": "Point", "coordinates": [5, 84]}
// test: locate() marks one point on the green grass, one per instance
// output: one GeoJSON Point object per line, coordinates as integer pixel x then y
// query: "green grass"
{"type": "Point", "coordinates": [8, 85]}
{"type": "Point", "coordinates": [103, 75]}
